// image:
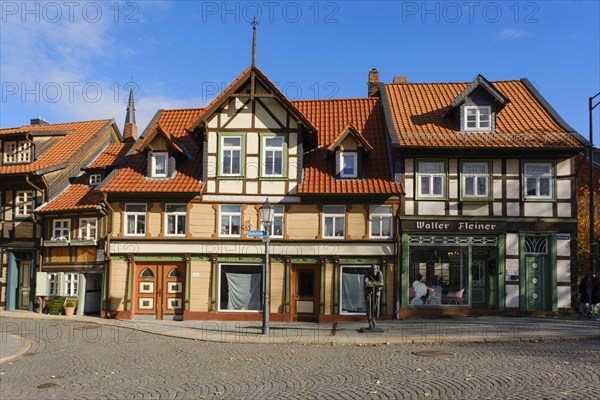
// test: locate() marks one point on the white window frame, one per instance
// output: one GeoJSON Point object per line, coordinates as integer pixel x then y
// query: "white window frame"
{"type": "Point", "coordinates": [230, 215]}
{"type": "Point", "coordinates": [278, 225]}
{"type": "Point", "coordinates": [232, 149]}
{"type": "Point", "coordinates": [476, 176]}
{"type": "Point", "coordinates": [328, 213]}
{"type": "Point", "coordinates": [71, 284]}
{"type": "Point", "coordinates": [154, 163]}
{"type": "Point", "coordinates": [135, 215]}
{"type": "Point", "coordinates": [61, 228]}
{"type": "Point", "coordinates": [342, 267]}
{"type": "Point", "coordinates": [538, 179]}
{"type": "Point", "coordinates": [480, 112]}
{"type": "Point", "coordinates": [23, 206]}
{"type": "Point", "coordinates": [86, 227]}
{"type": "Point", "coordinates": [431, 177]}
{"type": "Point", "coordinates": [259, 269]}
{"type": "Point", "coordinates": [176, 215]}
{"type": "Point", "coordinates": [352, 155]}
{"type": "Point", "coordinates": [10, 152]}
{"type": "Point", "coordinates": [53, 284]}
{"type": "Point", "coordinates": [95, 179]}
{"type": "Point", "coordinates": [376, 216]}
{"type": "Point", "coordinates": [23, 151]}
{"type": "Point", "coordinates": [17, 151]}
{"type": "Point", "coordinates": [274, 150]}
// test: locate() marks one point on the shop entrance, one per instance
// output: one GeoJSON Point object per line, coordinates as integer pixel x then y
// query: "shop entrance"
{"type": "Point", "coordinates": [159, 290]}
{"type": "Point", "coordinates": [536, 264]}
{"type": "Point", "coordinates": [483, 283]}
{"type": "Point", "coordinates": [305, 293]}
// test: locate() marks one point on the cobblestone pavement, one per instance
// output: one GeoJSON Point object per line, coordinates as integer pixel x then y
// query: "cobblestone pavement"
{"type": "Point", "coordinates": [70, 360]}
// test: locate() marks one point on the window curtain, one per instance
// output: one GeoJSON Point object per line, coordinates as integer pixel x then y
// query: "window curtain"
{"type": "Point", "coordinates": [353, 292]}
{"type": "Point", "coordinates": [244, 291]}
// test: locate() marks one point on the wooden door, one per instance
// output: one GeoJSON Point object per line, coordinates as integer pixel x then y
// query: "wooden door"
{"type": "Point", "coordinates": [24, 284]}
{"type": "Point", "coordinates": [305, 293]}
{"type": "Point", "coordinates": [147, 290]}
{"type": "Point", "coordinates": [173, 283]}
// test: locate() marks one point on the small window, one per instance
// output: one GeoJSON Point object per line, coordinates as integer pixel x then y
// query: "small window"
{"type": "Point", "coordinates": [71, 285]}
{"type": "Point", "coordinates": [348, 165]}
{"type": "Point", "coordinates": [334, 222]}
{"type": "Point", "coordinates": [231, 221]}
{"type": "Point", "coordinates": [61, 229]}
{"type": "Point", "coordinates": [23, 204]}
{"type": "Point", "coordinates": [175, 273]}
{"type": "Point", "coordinates": [277, 226]}
{"type": "Point", "coordinates": [87, 228]}
{"type": "Point", "coordinates": [10, 152]}
{"type": "Point", "coordinates": [475, 180]}
{"type": "Point", "coordinates": [135, 219]}
{"type": "Point", "coordinates": [231, 155]}
{"type": "Point", "coordinates": [176, 219]}
{"type": "Point", "coordinates": [380, 219]}
{"type": "Point", "coordinates": [53, 284]}
{"type": "Point", "coordinates": [146, 273]}
{"type": "Point", "coordinates": [273, 148]}
{"type": "Point", "coordinates": [17, 152]}
{"type": "Point", "coordinates": [538, 180]}
{"type": "Point", "coordinates": [95, 179]}
{"type": "Point", "coordinates": [160, 164]}
{"type": "Point", "coordinates": [431, 179]}
{"type": "Point", "coordinates": [477, 118]}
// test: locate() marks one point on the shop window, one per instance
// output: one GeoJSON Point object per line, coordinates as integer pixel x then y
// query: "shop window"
{"type": "Point", "coordinates": [475, 180]}
{"type": "Point", "coordinates": [477, 118]}
{"type": "Point", "coordinates": [431, 179]}
{"type": "Point", "coordinates": [240, 287]}
{"type": "Point", "coordinates": [380, 220]}
{"type": "Point", "coordinates": [538, 180]}
{"type": "Point", "coordinates": [231, 217]}
{"type": "Point", "coordinates": [23, 203]}
{"type": "Point", "coordinates": [135, 219]}
{"type": "Point", "coordinates": [176, 219]}
{"type": "Point", "coordinates": [61, 229]}
{"type": "Point", "coordinates": [87, 228]}
{"type": "Point", "coordinates": [277, 225]}
{"type": "Point", "coordinates": [352, 283]}
{"type": "Point", "coordinates": [231, 156]}
{"type": "Point", "coordinates": [334, 222]}
{"type": "Point", "coordinates": [273, 156]}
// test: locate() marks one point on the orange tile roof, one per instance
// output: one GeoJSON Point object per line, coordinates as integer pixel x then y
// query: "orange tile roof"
{"type": "Point", "coordinates": [113, 153]}
{"type": "Point", "coordinates": [62, 151]}
{"type": "Point", "coordinates": [132, 176]}
{"type": "Point", "coordinates": [331, 117]}
{"type": "Point", "coordinates": [417, 111]}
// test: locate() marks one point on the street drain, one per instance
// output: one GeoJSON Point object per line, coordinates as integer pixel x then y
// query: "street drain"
{"type": "Point", "coordinates": [46, 385]}
{"type": "Point", "coordinates": [29, 354]}
{"type": "Point", "coordinates": [85, 327]}
{"type": "Point", "coordinates": [433, 353]}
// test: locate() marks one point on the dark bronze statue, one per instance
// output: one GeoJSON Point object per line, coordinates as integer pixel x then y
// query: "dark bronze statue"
{"type": "Point", "coordinates": [373, 286]}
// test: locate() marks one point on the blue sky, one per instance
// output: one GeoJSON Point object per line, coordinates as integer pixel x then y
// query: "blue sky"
{"type": "Point", "coordinates": [68, 61]}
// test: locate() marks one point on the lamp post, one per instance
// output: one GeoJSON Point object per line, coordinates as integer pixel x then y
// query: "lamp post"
{"type": "Point", "coordinates": [266, 215]}
{"type": "Point", "coordinates": [593, 246]}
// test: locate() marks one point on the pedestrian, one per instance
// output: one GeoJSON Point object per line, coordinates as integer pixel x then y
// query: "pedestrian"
{"type": "Point", "coordinates": [587, 294]}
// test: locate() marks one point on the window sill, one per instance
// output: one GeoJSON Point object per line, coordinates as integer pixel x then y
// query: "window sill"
{"type": "Point", "coordinates": [476, 200]}
{"type": "Point", "coordinates": [56, 243]}
{"type": "Point", "coordinates": [83, 242]}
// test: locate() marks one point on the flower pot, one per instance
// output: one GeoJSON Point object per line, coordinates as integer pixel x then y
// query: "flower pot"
{"type": "Point", "coordinates": [69, 311]}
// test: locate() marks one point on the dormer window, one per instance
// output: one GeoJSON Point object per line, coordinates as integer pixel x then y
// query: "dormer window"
{"type": "Point", "coordinates": [159, 165]}
{"type": "Point", "coordinates": [348, 164]}
{"type": "Point", "coordinates": [95, 179]}
{"type": "Point", "coordinates": [477, 118]}
{"type": "Point", "coordinates": [17, 152]}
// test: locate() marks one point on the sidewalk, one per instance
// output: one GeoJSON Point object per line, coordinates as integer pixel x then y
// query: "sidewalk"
{"type": "Point", "coordinates": [444, 330]}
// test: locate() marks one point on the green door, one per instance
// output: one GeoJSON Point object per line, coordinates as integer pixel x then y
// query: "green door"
{"type": "Point", "coordinates": [535, 287]}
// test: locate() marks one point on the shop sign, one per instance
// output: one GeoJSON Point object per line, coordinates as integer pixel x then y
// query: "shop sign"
{"type": "Point", "coordinates": [454, 226]}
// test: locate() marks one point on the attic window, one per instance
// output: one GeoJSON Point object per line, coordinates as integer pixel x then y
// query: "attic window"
{"type": "Point", "coordinates": [348, 164]}
{"type": "Point", "coordinates": [477, 118]}
{"type": "Point", "coordinates": [17, 152]}
{"type": "Point", "coordinates": [95, 179]}
{"type": "Point", "coordinates": [159, 165]}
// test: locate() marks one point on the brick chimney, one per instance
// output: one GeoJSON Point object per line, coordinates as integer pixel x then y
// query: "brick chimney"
{"type": "Point", "coordinates": [130, 129]}
{"type": "Point", "coordinates": [400, 79]}
{"type": "Point", "coordinates": [374, 83]}
{"type": "Point", "coordinates": [38, 121]}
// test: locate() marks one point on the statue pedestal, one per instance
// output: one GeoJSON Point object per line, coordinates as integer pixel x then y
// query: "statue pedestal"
{"type": "Point", "coordinates": [370, 330]}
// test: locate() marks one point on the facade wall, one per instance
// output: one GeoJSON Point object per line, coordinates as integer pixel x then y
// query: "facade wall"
{"type": "Point", "coordinates": [118, 279]}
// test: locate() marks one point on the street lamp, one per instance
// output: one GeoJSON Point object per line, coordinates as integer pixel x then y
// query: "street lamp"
{"type": "Point", "coordinates": [266, 215]}
{"type": "Point", "coordinates": [593, 248]}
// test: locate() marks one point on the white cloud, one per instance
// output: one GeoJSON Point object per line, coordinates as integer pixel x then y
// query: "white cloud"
{"type": "Point", "coordinates": [510, 33]}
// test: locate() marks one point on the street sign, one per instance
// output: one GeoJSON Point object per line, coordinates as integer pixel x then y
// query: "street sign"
{"type": "Point", "coordinates": [255, 233]}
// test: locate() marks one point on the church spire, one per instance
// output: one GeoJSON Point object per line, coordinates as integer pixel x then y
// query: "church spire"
{"type": "Point", "coordinates": [254, 24]}
{"type": "Point", "coordinates": [130, 129]}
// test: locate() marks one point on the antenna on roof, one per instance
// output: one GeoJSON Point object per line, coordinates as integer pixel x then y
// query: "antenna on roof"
{"type": "Point", "coordinates": [254, 24]}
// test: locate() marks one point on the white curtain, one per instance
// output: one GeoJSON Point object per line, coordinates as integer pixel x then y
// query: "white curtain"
{"type": "Point", "coordinates": [244, 291]}
{"type": "Point", "coordinates": [353, 292]}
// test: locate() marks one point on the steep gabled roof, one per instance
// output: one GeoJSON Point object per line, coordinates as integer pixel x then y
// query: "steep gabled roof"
{"type": "Point", "coordinates": [331, 117]}
{"type": "Point", "coordinates": [171, 140]}
{"type": "Point", "coordinates": [350, 130]}
{"type": "Point", "coordinates": [74, 137]}
{"type": "Point", "coordinates": [415, 116]}
{"type": "Point", "coordinates": [479, 81]}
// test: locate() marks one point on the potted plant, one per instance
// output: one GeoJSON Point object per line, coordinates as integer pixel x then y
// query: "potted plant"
{"type": "Point", "coordinates": [69, 308]}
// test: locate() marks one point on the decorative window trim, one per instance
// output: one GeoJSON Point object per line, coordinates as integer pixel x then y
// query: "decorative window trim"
{"type": "Point", "coordinates": [334, 216]}
{"type": "Point", "coordinates": [176, 214]}
{"type": "Point", "coordinates": [84, 230]}
{"type": "Point", "coordinates": [551, 185]}
{"type": "Point", "coordinates": [479, 112]}
{"type": "Point", "coordinates": [23, 207]}
{"type": "Point", "coordinates": [154, 156]}
{"type": "Point", "coordinates": [230, 225]}
{"type": "Point", "coordinates": [136, 215]}
{"type": "Point", "coordinates": [263, 157]}
{"type": "Point", "coordinates": [463, 175]}
{"type": "Point", "coordinates": [375, 214]}
{"type": "Point", "coordinates": [349, 154]}
{"type": "Point", "coordinates": [61, 229]}
{"type": "Point", "coordinates": [444, 181]}
{"type": "Point", "coordinates": [221, 155]}
{"type": "Point", "coordinates": [95, 179]}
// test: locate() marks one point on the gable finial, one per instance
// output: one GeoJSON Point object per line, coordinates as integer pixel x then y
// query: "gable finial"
{"type": "Point", "coordinates": [254, 24]}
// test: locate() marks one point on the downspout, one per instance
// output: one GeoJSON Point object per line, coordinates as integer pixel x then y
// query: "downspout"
{"type": "Point", "coordinates": [108, 230]}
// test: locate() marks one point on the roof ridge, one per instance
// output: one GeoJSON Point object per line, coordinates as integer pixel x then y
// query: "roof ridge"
{"type": "Point", "coordinates": [338, 99]}
{"type": "Point", "coordinates": [448, 83]}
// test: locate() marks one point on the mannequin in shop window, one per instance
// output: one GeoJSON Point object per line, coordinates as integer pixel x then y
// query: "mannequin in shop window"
{"type": "Point", "coordinates": [421, 291]}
